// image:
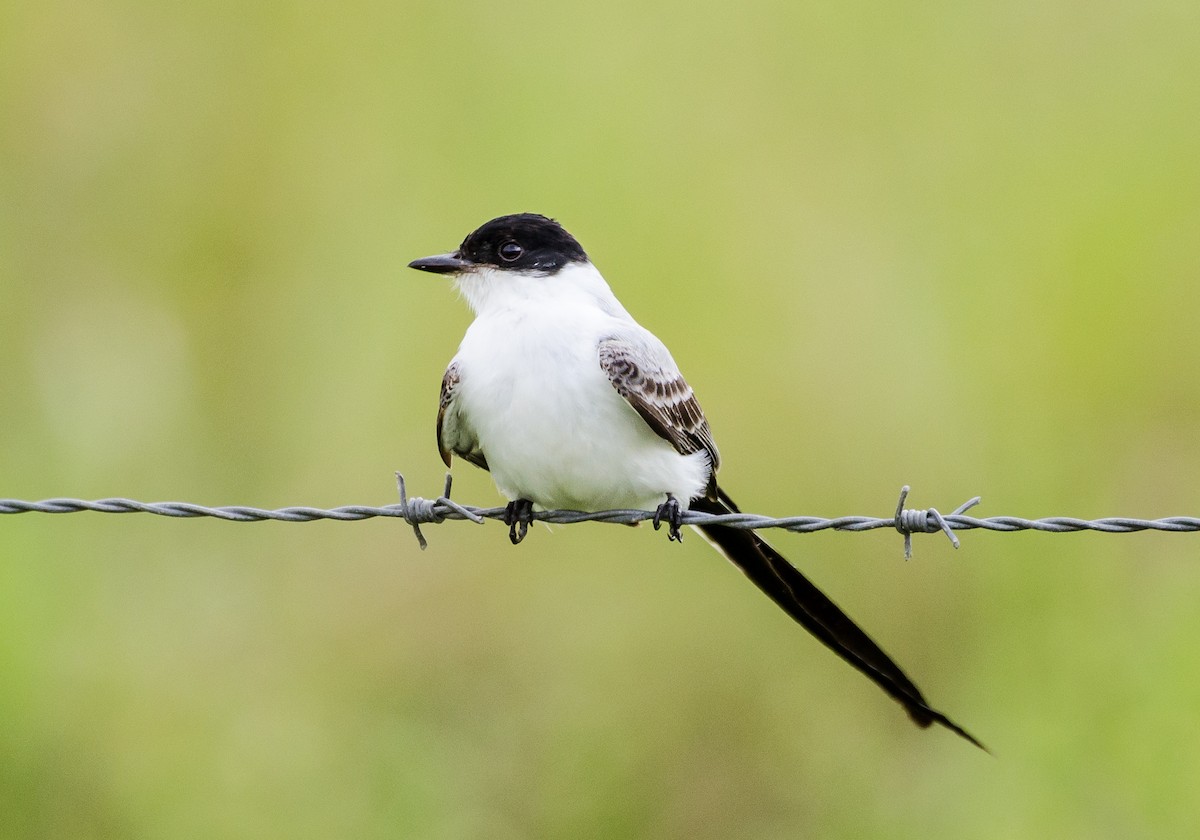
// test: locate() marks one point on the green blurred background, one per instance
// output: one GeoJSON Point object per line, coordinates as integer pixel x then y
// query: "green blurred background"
{"type": "Point", "coordinates": [952, 245]}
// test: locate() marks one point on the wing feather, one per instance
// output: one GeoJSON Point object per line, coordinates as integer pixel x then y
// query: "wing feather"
{"type": "Point", "coordinates": [452, 436]}
{"type": "Point", "coordinates": [651, 383]}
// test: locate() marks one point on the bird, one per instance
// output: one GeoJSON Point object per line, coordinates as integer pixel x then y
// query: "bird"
{"type": "Point", "coordinates": [571, 404]}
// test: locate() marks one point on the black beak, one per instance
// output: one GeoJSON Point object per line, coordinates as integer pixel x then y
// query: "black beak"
{"type": "Point", "coordinates": [441, 264]}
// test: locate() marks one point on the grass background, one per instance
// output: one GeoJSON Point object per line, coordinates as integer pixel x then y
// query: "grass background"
{"type": "Point", "coordinates": [947, 245]}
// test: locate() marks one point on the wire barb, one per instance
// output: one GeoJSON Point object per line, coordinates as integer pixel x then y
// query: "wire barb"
{"type": "Point", "coordinates": [927, 521]}
{"type": "Point", "coordinates": [417, 511]}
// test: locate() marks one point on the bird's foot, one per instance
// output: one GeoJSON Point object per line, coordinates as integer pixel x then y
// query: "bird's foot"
{"type": "Point", "coordinates": [517, 516]}
{"type": "Point", "coordinates": [672, 512]}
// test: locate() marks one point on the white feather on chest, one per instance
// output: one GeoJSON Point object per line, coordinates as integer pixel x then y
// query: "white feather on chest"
{"type": "Point", "coordinates": [549, 422]}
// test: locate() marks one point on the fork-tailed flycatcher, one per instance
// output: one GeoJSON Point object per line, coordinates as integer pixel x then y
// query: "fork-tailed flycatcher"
{"type": "Point", "coordinates": [571, 404]}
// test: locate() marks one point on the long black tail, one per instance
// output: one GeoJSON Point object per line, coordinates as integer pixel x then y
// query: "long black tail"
{"type": "Point", "coordinates": [809, 606]}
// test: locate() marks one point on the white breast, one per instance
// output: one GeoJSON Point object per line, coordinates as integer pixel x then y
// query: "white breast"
{"type": "Point", "coordinates": [550, 424]}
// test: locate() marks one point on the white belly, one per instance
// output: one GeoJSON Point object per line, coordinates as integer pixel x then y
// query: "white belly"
{"type": "Point", "coordinates": [552, 427]}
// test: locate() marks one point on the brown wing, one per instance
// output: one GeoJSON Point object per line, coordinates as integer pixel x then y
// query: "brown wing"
{"type": "Point", "coordinates": [651, 383]}
{"type": "Point", "coordinates": [452, 437]}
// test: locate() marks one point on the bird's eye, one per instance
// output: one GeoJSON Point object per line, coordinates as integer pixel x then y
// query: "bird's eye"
{"type": "Point", "coordinates": [511, 251]}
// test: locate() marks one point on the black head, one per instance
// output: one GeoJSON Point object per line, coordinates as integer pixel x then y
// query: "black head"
{"type": "Point", "coordinates": [522, 242]}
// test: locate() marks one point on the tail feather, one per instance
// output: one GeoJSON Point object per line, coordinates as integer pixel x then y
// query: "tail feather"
{"type": "Point", "coordinates": [814, 611]}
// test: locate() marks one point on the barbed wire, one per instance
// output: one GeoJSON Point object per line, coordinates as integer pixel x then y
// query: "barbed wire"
{"type": "Point", "coordinates": [417, 511]}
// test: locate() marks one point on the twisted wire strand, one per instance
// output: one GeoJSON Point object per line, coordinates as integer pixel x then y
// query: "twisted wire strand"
{"type": "Point", "coordinates": [417, 511]}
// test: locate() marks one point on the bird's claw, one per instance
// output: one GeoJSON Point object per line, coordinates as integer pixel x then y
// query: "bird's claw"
{"type": "Point", "coordinates": [672, 512]}
{"type": "Point", "coordinates": [517, 516]}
